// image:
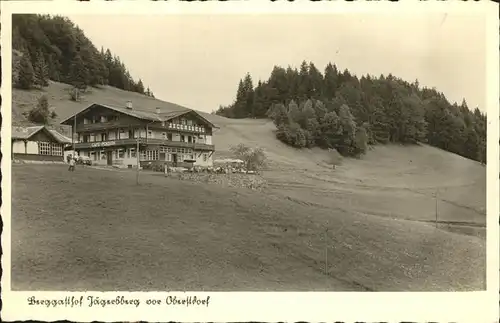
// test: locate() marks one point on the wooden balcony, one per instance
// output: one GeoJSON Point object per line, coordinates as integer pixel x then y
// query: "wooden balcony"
{"type": "Point", "coordinates": [179, 144]}
{"type": "Point", "coordinates": [105, 126]}
{"type": "Point", "coordinates": [185, 128]}
{"type": "Point", "coordinates": [143, 141]}
{"type": "Point", "coordinates": [100, 126]}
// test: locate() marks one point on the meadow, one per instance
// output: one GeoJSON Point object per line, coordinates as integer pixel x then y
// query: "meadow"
{"type": "Point", "coordinates": [372, 220]}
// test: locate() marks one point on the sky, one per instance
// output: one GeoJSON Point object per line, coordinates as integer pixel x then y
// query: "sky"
{"type": "Point", "coordinates": [197, 61]}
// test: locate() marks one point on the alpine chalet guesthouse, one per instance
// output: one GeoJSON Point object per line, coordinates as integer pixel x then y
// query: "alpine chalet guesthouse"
{"type": "Point", "coordinates": [168, 134]}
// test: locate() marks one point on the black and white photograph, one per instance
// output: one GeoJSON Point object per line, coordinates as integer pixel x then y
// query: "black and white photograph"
{"type": "Point", "coordinates": [247, 153]}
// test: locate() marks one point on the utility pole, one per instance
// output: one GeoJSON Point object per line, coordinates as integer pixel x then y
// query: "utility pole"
{"type": "Point", "coordinates": [138, 160]}
{"type": "Point", "coordinates": [73, 137]}
{"type": "Point", "coordinates": [437, 208]}
{"type": "Point", "coordinates": [326, 250]}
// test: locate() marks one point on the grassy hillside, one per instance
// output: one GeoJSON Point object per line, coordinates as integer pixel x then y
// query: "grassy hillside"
{"type": "Point", "coordinates": [204, 237]}
{"type": "Point", "coordinates": [394, 181]}
{"type": "Point", "coordinates": [376, 209]}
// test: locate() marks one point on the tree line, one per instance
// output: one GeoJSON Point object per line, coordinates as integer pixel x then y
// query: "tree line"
{"type": "Point", "coordinates": [336, 109]}
{"type": "Point", "coordinates": [54, 48]}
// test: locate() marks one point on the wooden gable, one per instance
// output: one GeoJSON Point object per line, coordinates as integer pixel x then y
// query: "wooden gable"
{"type": "Point", "coordinates": [194, 118]}
{"type": "Point", "coordinates": [96, 112]}
{"type": "Point", "coordinates": [43, 135]}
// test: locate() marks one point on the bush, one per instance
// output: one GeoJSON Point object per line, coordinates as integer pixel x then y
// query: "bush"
{"type": "Point", "coordinates": [41, 113]}
{"type": "Point", "coordinates": [255, 159]}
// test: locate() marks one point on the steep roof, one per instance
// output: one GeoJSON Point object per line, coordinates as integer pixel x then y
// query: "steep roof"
{"type": "Point", "coordinates": [24, 133]}
{"type": "Point", "coordinates": [145, 109]}
{"type": "Point", "coordinates": [60, 137]}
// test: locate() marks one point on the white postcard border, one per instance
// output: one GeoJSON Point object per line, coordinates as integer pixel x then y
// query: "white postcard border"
{"type": "Point", "coordinates": [256, 306]}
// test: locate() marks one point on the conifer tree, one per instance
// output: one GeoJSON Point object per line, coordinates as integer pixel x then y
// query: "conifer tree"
{"type": "Point", "coordinates": [79, 74]}
{"type": "Point", "coordinates": [26, 78]}
{"type": "Point", "coordinates": [140, 87]}
{"type": "Point", "coordinates": [41, 71]}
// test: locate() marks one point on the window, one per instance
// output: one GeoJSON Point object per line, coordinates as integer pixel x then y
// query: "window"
{"type": "Point", "coordinates": [123, 134]}
{"type": "Point", "coordinates": [190, 139]}
{"type": "Point", "coordinates": [168, 157]}
{"type": "Point", "coordinates": [182, 138]}
{"type": "Point", "coordinates": [103, 154]}
{"type": "Point", "coordinates": [104, 119]}
{"type": "Point", "coordinates": [93, 155]}
{"type": "Point", "coordinates": [57, 150]}
{"type": "Point", "coordinates": [121, 153]}
{"type": "Point", "coordinates": [149, 155]}
{"type": "Point", "coordinates": [163, 123]}
{"type": "Point", "coordinates": [150, 134]}
{"type": "Point", "coordinates": [44, 148]}
{"type": "Point", "coordinates": [152, 154]}
{"type": "Point", "coordinates": [164, 135]}
{"type": "Point", "coordinates": [132, 153]}
{"type": "Point", "coordinates": [86, 121]}
{"type": "Point", "coordinates": [190, 122]}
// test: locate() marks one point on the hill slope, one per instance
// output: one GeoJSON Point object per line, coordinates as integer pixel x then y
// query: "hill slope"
{"type": "Point", "coordinates": [205, 237]}
{"type": "Point", "coordinates": [390, 180]}
{"type": "Point", "coordinates": [380, 203]}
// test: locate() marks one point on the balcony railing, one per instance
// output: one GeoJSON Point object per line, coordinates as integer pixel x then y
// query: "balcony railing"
{"type": "Point", "coordinates": [104, 125]}
{"type": "Point", "coordinates": [183, 127]}
{"type": "Point", "coordinates": [117, 124]}
{"type": "Point", "coordinates": [142, 141]}
{"type": "Point", "coordinates": [181, 144]}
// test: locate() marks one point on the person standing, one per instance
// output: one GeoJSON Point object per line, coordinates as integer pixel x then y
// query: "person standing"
{"type": "Point", "coordinates": [71, 165]}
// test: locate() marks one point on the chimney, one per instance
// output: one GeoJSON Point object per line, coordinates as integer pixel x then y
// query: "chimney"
{"type": "Point", "coordinates": [129, 105]}
{"type": "Point", "coordinates": [157, 110]}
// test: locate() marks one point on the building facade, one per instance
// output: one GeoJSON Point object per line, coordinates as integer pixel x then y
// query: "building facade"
{"type": "Point", "coordinates": [113, 136]}
{"type": "Point", "coordinates": [38, 143]}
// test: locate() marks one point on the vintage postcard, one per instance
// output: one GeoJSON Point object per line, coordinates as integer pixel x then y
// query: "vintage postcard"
{"type": "Point", "coordinates": [250, 161]}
